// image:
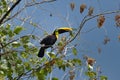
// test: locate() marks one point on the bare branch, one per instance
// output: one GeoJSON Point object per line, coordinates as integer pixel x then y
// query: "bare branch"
{"type": "Point", "coordinates": [86, 18]}
{"type": "Point", "coordinates": [44, 1]}
{"type": "Point", "coordinates": [6, 14]}
{"type": "Point", "coordinates": [27, 5]}
{"type": "Point", "coordinates": [14, 15]}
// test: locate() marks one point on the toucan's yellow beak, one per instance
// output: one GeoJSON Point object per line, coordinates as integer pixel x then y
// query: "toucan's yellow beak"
{"type": "Point", "coordinates": [63, 29]}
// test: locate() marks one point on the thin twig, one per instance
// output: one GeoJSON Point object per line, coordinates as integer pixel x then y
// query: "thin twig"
{"type": "Point", "coordinates": [27, 5]}
{"type": "Point", "coordinates": [80, 28]}
{"type": "Point", "coordinates": [6, 14]}
{"type": "Point", "coordinates": [86, 18]}
{"type": "Point", "coordinates": [44, 1]}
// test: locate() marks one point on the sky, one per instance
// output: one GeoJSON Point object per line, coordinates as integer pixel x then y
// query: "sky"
{"type": "Point", "coordinates": [89, 42]}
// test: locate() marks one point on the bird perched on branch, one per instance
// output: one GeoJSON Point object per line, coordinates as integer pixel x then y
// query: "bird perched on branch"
{"type": "Point", "coordinates": [49, 40]}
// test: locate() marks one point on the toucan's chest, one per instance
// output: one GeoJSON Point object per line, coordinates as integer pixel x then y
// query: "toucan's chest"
{"type": "Point", "coordinates": [49, 40]}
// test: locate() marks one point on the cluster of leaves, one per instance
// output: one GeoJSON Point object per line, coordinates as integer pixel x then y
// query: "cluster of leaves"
{"type": "Point", "coordinates": [3, 7]}
{"type": "Point", "coordinates": [59, 63]}
{"type": "Point", "coordinates": [82, 8]}
{"type": "Point", "coordinates": [93, 75]}
{"type": "Point", "coordinates": [117, 20]}
{"type": "Point", "coordinates": [13, 50]}
{"type": "Point", "coordinates": [17, 55]}
{"type": "Point", "coordinates": [100, 20]}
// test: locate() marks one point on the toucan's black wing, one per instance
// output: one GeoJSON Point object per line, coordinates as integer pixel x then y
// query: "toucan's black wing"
{"type": "Point", "coordinates": [49, 40]}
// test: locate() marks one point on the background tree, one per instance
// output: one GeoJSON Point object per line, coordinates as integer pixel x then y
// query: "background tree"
{"type": "Point", "coordinates": [24, 23]}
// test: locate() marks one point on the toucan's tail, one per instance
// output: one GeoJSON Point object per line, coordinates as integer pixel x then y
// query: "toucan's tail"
{"type": "Point", "coordinates": [41, 52]}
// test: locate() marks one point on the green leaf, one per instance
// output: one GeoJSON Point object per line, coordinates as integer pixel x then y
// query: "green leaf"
{"type": "Point", "coordinates": [27, 65]}
{"type": "Point", "coordinates": [18, 29]}
{"type": "Point", "coordinates": [63, 67]}
{"type": "Point", "coordinates": [33, 37]}
{"type": "Point", "coordinates": [103, 78]}
{"type": "Point", "coordinates": [60, 43]}
{"type": "Point", "coordinates": [15, 44]}
{"type": "Point", "coordinates": [54, 78]}
{"type": "Point", "coordinates": [25, 39]}
{"type": "Point", "coordinates": [71, 34]}
{"type": "Point", "coordinates": [24, 55]}
{"type": "Point", "coordinates": [4, 2]}
{"type": "Point", "coordinates": [74, 50]}
{"type": "Point", "coordinates": [91, 74]}
{"type": "Point", "coordinates": [52, 55]}
{"type": "Point", "coordinates": [10, 33]}
{"type": "Point", "coordinates": [40, 75]}
{"type": "Point", "coordinates": [8, 26]}
{"type": "Point", "coordinates": [2, 77]}
{"type": "Point", "coordinates": [4, 32]}
{"type": "Point", "coordinates": [77, 61]}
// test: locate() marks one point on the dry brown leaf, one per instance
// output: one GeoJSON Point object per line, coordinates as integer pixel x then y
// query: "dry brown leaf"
{"type": "Point", "coordinates": [100, 20]}
{"type": "Point", "coordinates": [119, 37]}
{"type": "Point", "coordinates": [90, 61]}
{"type": "Point", "coordinates": [91, 9]}
{"type": "Point", "coordinates": [72, 5]}
{"type": "Point", "coordinates": [117, 19]}
{"type": "Point", "coordinates": [72, 74]}
{"type": "Point", "coordinates": [82, 7]}
{"type": "Point", "coordinates": [118, 23]}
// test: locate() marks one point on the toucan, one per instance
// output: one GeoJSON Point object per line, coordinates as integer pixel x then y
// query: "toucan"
{"type": "Point", "coordinates": [50, 40]}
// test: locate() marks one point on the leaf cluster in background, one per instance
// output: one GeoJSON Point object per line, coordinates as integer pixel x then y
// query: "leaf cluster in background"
{"type": "Point", "coordinates": [3, 7]}
{"type": "Point", "coordinates": [117, 20]}
{"type": "Point", "coordinates": [100, 20]}
{"type": "Point", "coordinates": [72, 5]}
{"type": "Point", "coordinates": [82, 7]}
{"type": "Point", "coordinates": [93, 73]}
{"type": "Point", "coordinates": [13, 50]}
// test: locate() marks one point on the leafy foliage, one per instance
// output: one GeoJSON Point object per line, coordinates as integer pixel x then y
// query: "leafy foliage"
{"type": "Point", "coordinates": [74, 50]}
{"type": "Point", "coordinates": [3, 7]}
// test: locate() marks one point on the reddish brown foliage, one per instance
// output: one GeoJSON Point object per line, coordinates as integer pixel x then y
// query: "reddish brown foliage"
{"type": "Point", "coordinates": [100, 20]}
{"type": "Point", "coordinates": [117, 19]}
{"type": "Point", "coordinates": [90, 61]}
{"type": "Point", "coordinates": [82, 7]}
{"type": "Point", "coordinates": [119, 37]}
{"type": "Point", "coordinates": [91, 9]}
{"type": "Point", "coordinates": [72, 5]}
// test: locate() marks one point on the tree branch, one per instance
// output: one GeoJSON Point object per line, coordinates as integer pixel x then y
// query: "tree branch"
{"type": "Point", "coordinates": [44, 1]}
{"type": "Point", "coordinates": [27, 5]}
{"type": "Point", "coordinates": [6, 14]}
{"type": "Point", "coordinates": [86, 18]}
